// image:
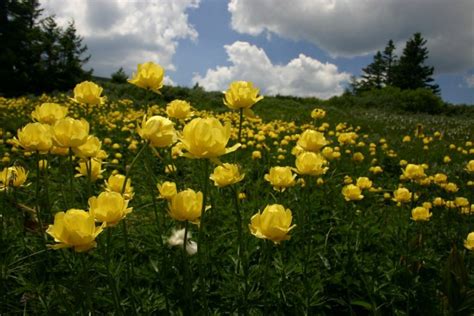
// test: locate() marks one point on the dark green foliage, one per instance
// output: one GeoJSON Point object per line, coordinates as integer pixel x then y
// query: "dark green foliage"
{"type": "Point", "coordinates": [119, 76]}
{"type": "Point", "coordinates": [37, 55]}
{"type": "Point", "coordinates": [373, 77]}
{"type": "Point", "coordinates": [390, 61]}
{"type": "Point", "coordinates": [411, 71]}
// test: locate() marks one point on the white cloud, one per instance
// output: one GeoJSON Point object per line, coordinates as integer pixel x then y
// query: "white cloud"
{"type": "Point", "coordinates": [302, 76]}
{"type": "Point", "coordinates": [469, 81]}
{"type": "Point", "coordinates": [352, 28]}
{"type": "Point", "coordinates": [125, 33]}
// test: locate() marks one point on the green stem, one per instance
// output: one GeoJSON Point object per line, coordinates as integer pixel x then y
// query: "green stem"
{"type": "Point", "coordinates": [186, 280]}
{"type": "Point", "coordinates": [86, 284]}
{"type": "Point", "coordinates": [71, 177]}
{"type": "Point", "coordinates": [128, 171]}
{"type": "Point", "coordinates": [241, 261]}
{"type": "Point", "coordinates": [160, 227]}
{"type": "Point", "coordinates": [37, 198]}
{"type": "Point", "coordinates": [202, 238]}
{"type": "Point", "coordinates": [89, 177]}
{"type": "Point", "coordinates": [112, 283]}
{"type": "Point", "coordinates": [241, 118]}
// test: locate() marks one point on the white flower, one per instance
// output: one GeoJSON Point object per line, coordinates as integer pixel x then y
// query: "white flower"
{"type": "Point", "coordinates": [177, 237]}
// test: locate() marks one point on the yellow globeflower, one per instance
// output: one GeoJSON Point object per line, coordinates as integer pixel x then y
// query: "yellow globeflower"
{"type": "Point", "coordinates": [348, 138]}
{"type": "Point", "coordinates": [274, 223]}
{"type": "Point", "coordinates": [69, 132]}
{"type": "Point", "coordinates": [469, 242]}
{"type": "Point", "coordinates": [96, 171]}
{"type": "Point", "coordinates": [158, 130]}
{"type": "Point", "coordinates": [318, 114]}
{"type": "Point", "coordinates": [178, 109]}
{"type": "Point", "coordinates": [312, 140]}
{"type": "Point", "coordinates": [74, 228]}
{"type": "Point", "coordinates": [281, 178]}
{"type": "Point", "coordinates": [35, 137]}
{"type": "Point", "coordinates": [402, 195]}
{"type": "Point", "coordinates": [241, 95]}
{"type": "Point", "coordinates": [89, 149]}
{"type": "Point", "coordinates": [352, 192]}
{"type": "Point", "coordinates": [115, 184]}
{"type": "Point", "coordinates": [49, 113]}
{"type": "Point", "coordinates": [167, 190]}
{"type": "Point", "coordinates": [88, 92]}
{"type": "Point", "coordinates": [206, 138]}
{"type": "Point", "coordinates": [148, 76]}
{"type": "Point", "coordinates": [109, 207]}
{"type": "Point", "coordinates": [470, 166]}
{"type": "Point", "coordinates": [420, 213]}
{"type": "Point", "coordinates": [186, 206]}
{"type": "Point", "coordinates": [256, 154]}
{"type": "Point", "coordinates": [226, 174]}
{"type": "Point", "coordinates": [414, 172]}
{"type": "Point", "coordinates": [364, 183]}
{"type": "Point", "coordinates": [311, 164]}
{"type": "Point", "coordinates": [12, 177]}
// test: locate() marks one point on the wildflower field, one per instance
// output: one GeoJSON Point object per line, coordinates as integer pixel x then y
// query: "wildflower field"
{"type": "Point", "coordinates": [142, 199]}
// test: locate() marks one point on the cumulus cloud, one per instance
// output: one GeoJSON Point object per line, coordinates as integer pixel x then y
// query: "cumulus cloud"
{"type": "Point", "coordinates": [124, 33]}
{"type": "Point", "coordinates": [302, 76]}
{"type": "Point", "coordinates": [352, 28]}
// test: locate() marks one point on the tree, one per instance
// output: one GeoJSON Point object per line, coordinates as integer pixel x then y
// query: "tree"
{"type": "Point", "coordinates": [373, 77]}
{"type": "Point", "coordinates": [390, 61]}
{"type": "Point", "coordinates": [34, 49]}
{"type": "Point", "coordinates": [411, 71]}
{"type": "Point", "coordinates": [119, 76]}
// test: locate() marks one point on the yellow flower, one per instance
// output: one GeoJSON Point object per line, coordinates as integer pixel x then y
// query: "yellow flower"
{"type": "Point", "coordinates": [414, 172]}
{"type": "Point", "coordinates": [158, 130]}
{"type": "Point", "coordinates": [148, 76]}
{"type": "Point", "coordinates": [167, 190]}
{"type": "Point", "coordinates": [364, 183]}
{"type": "Point", "coordinates": [206, 138]}
{"type": "Point", "coordinates": [241, 95]}
{"type": "Point", "coordinates": [352, 192]}
{"type": "Point", "coordinates": [470, 166]}
{"type": "Point", "coordinates": [348, 138]}
{"type": "Point", "coordinates": [440, 178]}
{"type": "Point", "coordinates": [461, 201]}
{"type": "Point", "coordinates": [109, 207]}
{"type": "Point", "coordinates": [49, 113]}
{"type": "Point", "coordinates": [178, 109]}
{"type": "Point", "coordinates": [256, 154]}
{"type": "Point", "coordinates": [89, 149]}
{"type": "Point", "coordinates": [402, 195]}
{"type": "Point", "coordinates": [274, 223]}
{"type": "Point", "coordinates": [69, 132]}
{"type": "Point", "coordinates": [406, 139]}
{"type": "Point", "coordinates": [88, 92]}
{"type": "Point", "coordinates": [74, 228]}
{"type": "Point", "coordinates": [186, 206]}
{"type": "Point", "coordinates": [447, 159]}
{"type": "Point", "coordinates": [469, 242]}
{"type": "Point", "coordinates": [115, 184]}
{"type": "Point", "coordinates": [35, 137]}
{"type": "Point", "coordinates": [96, 171]}
{"type": "Point", "coordinates": [311, 164]}
{"type": "Point", "coordinates": [358, 157]}
{"type": "Point", "coordinates": [226, 174]}
{"type": "Point", "coordinates": [420, 213]}
{"type": "Point", "coordinates": [312, 140]}
{"type": "Point", "coordinates": [438, 201]}
{"type": "Point", "coordinates": [280, 178]}
{"type": "Point", "coordinates": [12, 177]}
{"type": "Point", "coordinates": [318, 114]}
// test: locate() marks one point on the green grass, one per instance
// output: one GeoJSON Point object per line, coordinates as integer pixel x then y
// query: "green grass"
{"type": "Point", "coordinates": [365, 257]}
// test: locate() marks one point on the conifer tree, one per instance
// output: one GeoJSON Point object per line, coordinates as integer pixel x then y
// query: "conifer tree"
{"type": "Point", "coordinates": [390, 61]}
{"type": "Point", "coordinates": [411, 71]}
{"type": "Point", "coordinates": [373, 77]}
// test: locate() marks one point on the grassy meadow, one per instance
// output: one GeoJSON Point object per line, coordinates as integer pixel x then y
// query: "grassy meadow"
{"type": "Point", "coordinates": [357, 247]}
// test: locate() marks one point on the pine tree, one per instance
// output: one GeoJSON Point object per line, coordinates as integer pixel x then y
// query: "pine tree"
{"type": "Point", "coordinates": [411, 72]}
{"type": "Point", "coordinates": [32, 50]}
{"type": "Point", "coordinates": [390, 61]}
{"type": "Point", "coordinates": [373, 77]}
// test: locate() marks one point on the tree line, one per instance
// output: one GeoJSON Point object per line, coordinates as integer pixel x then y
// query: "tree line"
{"type": "Point", "coordinates": [36, 54]}
{"type": "Point", "coordinates": [408, 72]}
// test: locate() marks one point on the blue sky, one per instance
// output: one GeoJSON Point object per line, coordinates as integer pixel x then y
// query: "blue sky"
{"type": "Point", "coordinates": [299, 47]}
